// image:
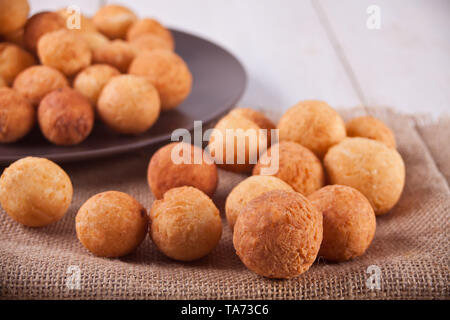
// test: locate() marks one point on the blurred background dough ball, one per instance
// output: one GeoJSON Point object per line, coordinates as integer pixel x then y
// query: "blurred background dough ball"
{"type": "Point", "coordinates": [150, 42]}
{"type": "Point", "coordinates": [35, 191]}
{"type": "Point", "coordinates": [40, 24]}
{"type": "Point", "coordinates": [278, 234]}
{"type": "Point", "coordinates": [243, 140]}
{"type": "Point", "coordinates": [70, 20]}
{"type": "Point", "coordinates": [64, 50]}
{"type": "Point", "coordinates": [94, 40]}
{"type": "Point", "coordinates": [65, 116]}
{"type": "Point", "coordinates": [166, 169]}
{"type": "Point", "coordinates": [111, 224]}
{"type": "Point", "coordinates": [168, 73]}
{"type": "Point", "coordinates": [185, 224]}
{"type": "Point", "coordinates": [297, 166]}
{"type": "Point", "coordinates": [313, 124]}
{"type": "Point", "coordinates": [117, 53]}
{"type": "Point", "coordinates": [91, 80]}
{"type": "Point", "coordinates": [114, 21]}
{"type": "Point", "coordinates": [13, 14]}
{"type": "Point", "coordinates": [129, 104]}
{"type": "Point", "coordinates": [13, 60]}
{"type": "Point", "coordinates": [257, 117]}
{"type": "Point", "coordinates": [369, 166]}
{"type": "Point", "coordinates": [150, 26]}
{"type": "Point", "coordinates": [371, 128]}
{"type": "Point", "coordinates": [249, 189]}
{"type": "Point", "coordinates": [349, 222]}
{"type": "Point", "coordinates": [17, 115]}
{"type": "Point", "coordinates": [37, 81]}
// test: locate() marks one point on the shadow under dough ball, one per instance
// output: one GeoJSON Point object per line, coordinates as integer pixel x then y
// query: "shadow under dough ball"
{"type": "Point", "coordinates": [65, 117]}
{"type": "Point", "coordinates": [181, 164]}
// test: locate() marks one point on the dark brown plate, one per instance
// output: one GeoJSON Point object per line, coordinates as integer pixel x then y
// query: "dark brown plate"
{"type": "Point", "coordinates": [219, 81]}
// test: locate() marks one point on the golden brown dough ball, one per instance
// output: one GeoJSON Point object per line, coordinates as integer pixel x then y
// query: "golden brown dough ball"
{"type": "Point", "coordinates": [91, 80]}
{"type": "Point", "coordinates": [313, 124]}
{"type": "Point", "coordinates": [13, 14]}
{"type": "Point", "coordinates": [278, 234]}
{"type": "Point", "coordinates": [297, 166]}
{"type": "Point", "coordinates": [168, 73]}
{"type": "Point", "coordinates": [2, 82]}
{"type": "Point", "coordinates": [13, 60]}
{"type": "Point", "coordinates": [249, 189]}
{"type": "Point", "coordinates": [167, 171]}
{"type": "Point", "coordinates": [150, 42]}
{"type": "Point", "coordinates": [349, 222]}
{"type": "Point", "coordinates": [94, 40]}
{"type": "Point", "coordinates": [64, 50]}
{"type": "Point", "coordinates": [257, 117]}
{"type": "Point", "coordinates": [371, 128]}
{"type": "Point", "coordinates": [129, 104]}
{"type": "Point", "coordinates": [369, 166]}
{"type": "Point", "coordinates": [70, 21]}
{"type": "Point", "coordinates": [15, 37]}
{"type": "Point", "coordinates": [117, 53]}
{"type": "Point", "coordinates": [150, 26]}
{"type": "Point", "coordinates": [40, 24]}
{"type": "Point", "coordinates": [185, 224]}
{"type": "Point", "coordinates": [111, 224]}
{"type": "Point", "coordinates": [17, 115]}
{"type": "Point", "coordinates": [37, 81]}
{"type": "Point", "coordinates": [35, 191]}
{"type": "Point", "coordinates": [114, 21]}
{"type": "Point", "coordinates": [65, 116]}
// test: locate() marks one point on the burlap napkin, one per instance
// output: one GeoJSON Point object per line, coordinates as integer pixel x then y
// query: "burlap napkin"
{"type": "Point", "coordinates": [409, 255]}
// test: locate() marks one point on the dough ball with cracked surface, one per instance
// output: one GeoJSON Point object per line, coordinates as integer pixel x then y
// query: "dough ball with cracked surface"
{"type": "Point", "coordinates": [249, 189]}
{"type": "Point", "coordinates": [36, 82]}
{"type": "Point", "coordinates": [185, 224]}
{"type": "Point", "coordinates": [349, 222]}
{"type": "Point", "coordinates": [371, 128]}
{"type": "Point", "coordinates": [65, 117]}
{"type": "Point", "coordinates": [13, 15]}
{"type": "Point", "coordinates": [169, 74]}
{"type": "Point", "coordinates": [17, 115]}
{"type": "Point", "coordinates": [150, 26]}
{"type": "Point", "coordinates": [129, 104]}
{"type": "Point", "coordinates": [111, 224]}
{"type": "Point", "coordinates": [278, 234]}
{"type": "Point", "coordinates": [114, 21]}
{"type": "Point", "coordinates": [166, 169]}
{"type": "Point", "coordinates": [297, 166]}
{"type": "Point", "coordinates": [313, 124]}
{"type": "Point", "coordinates": [35, 191]}
{"type": "Point", "coordinates": [40, 24]}
{"type": "Point", "coordinates": [13, 60]}
{"type": "Point", "coordinates": [117, 53]}
{"type": "Point", "coordinates": [370, 167]}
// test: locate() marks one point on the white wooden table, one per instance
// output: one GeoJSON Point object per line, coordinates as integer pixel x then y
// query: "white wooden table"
{"type": "Point", "coordinates": [320, 49]}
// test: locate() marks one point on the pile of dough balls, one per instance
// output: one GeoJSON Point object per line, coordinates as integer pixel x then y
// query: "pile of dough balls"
{"type": "Point", "coordinates": [115, 66]}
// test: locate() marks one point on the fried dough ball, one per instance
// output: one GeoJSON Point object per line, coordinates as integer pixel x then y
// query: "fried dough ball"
{"type": "Point", "coordinates": [91, 80]}
{"type": "Point", "coordinates": [94, 40]}
{"type": "Point", "coordinates": [249, 189]}
{"type": "Point", "coordinates": [185, 224]}
{"type": "Point", "coordinates": [40, 24]}
{"type": "Point", "coordinates": [369, 166]}
{"type": "Point", "coordinates": [17, 115]}
{"type": "Point", "coordinates": [187, 166]}
{"type": "Point", "coordinates": [114, 21]}
{"type": "Point", "coordinates": [297, 166]}
{"type": "Point", "coordinates": [150, 26]}
{"type": "Point", "coordinates": [244, 142]}
{"type": "Point", "coordinates": [349, 222]}
{"type": "Point", "coordinates": [13, 60]}
{"type": "Point", "coordinates": [13, 15]}
{"type": "Point", "coordinates": [15, 37]}
{"type": "Point", "coordinates": [168, 73]}
{"type": "Point", "coordinates": [129, 104]}
{"type": "Point", "coordinates": [278, 234]}
{"type": "Point", "coordinates": [257, 117]}
{"type": "Point", "coordinates": [313, 124]}
{"type": "Point", "coordinates": [37, 81]}
{"type": "Point", "coordinates": [111, 224]}
{"type": "Point", "coordinates": [65, 116]}
{"type": "Point", "coordinates": [2, 82]}
{"type": "Point", "coordinates": [35, 191]}
{"type": "Point", "coordinates": [69, 17]}
{"type": "Point", "coordinates": [117, 53]}
{"type": "Point", "coordinates": [64, 50]}
{"type": "Point", "coordinates": [150, 42]}
{"type": "Point", "coordinates": [371, 128]}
